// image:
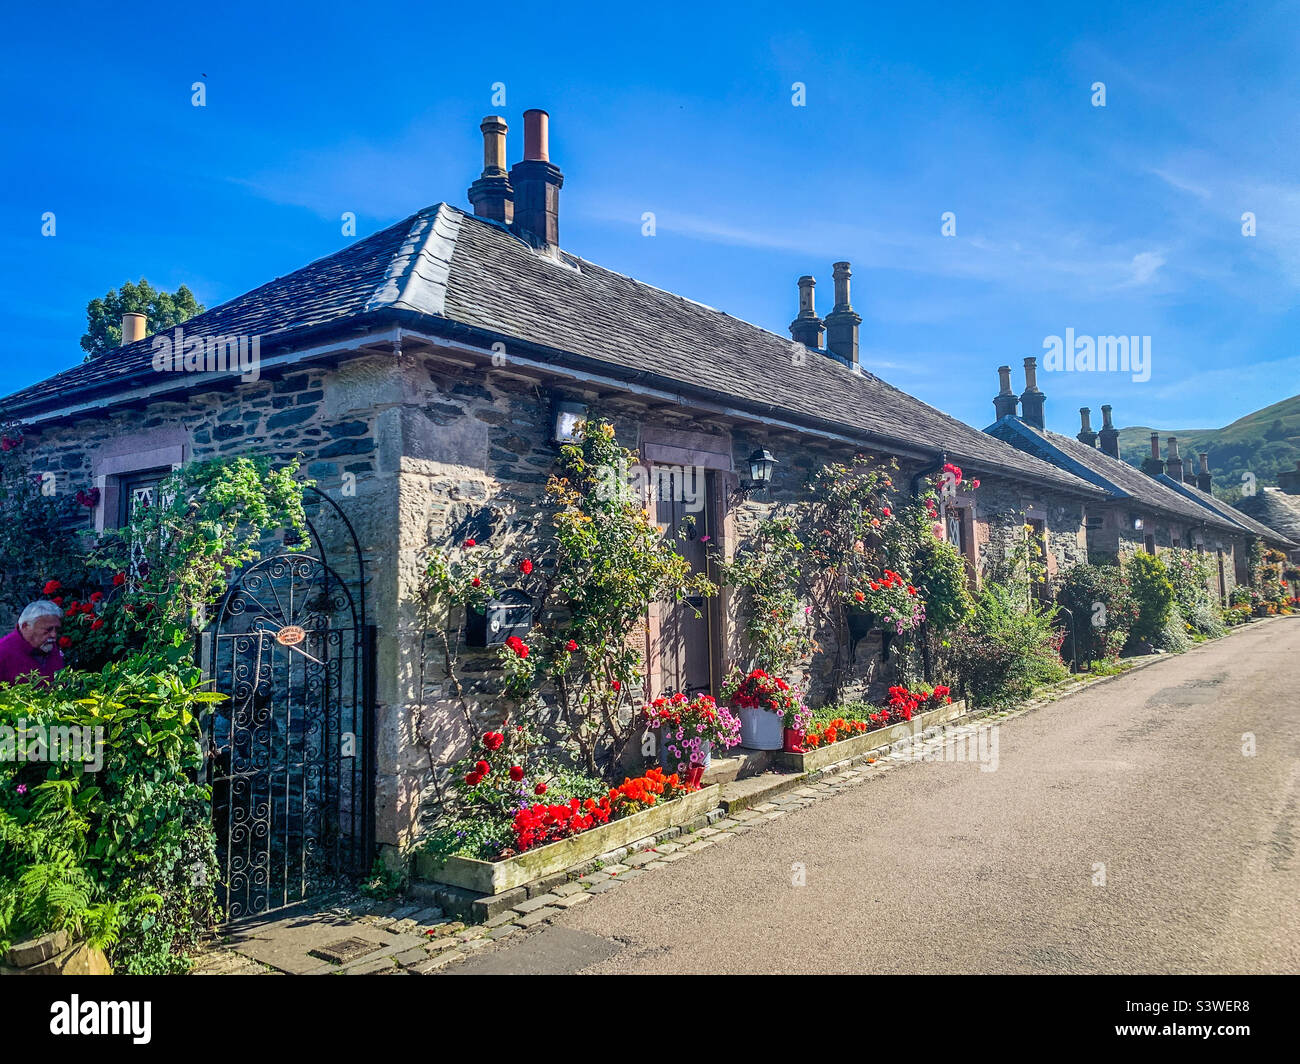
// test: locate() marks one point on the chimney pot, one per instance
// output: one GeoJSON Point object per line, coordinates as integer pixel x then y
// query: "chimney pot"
{"type": "Point", "coordinates": [1203, 479]}
{"type": "Point", "coordinates": [1006, 401]}
{"type": "Point", "coordinates": [842, 322]}
{"type": "Point", "coordinates": [1155, 445]}
{"type": "Point", "coordinates": [133, 327]}
{"type": "Point", "coordinates": [1108, 437]}
{"type": "Point", "coordinates": [807, 326]}
{"type": "Point", "coordinates": [1174, 466]}
{"type": "Point", "coordinates": [1086, 435]}
{"type": "Point", "coordinates": [491, 195]}
{"type": "Point", "coordinates": [537, 182]}
{"type": "Point", "coordinates": [537, 135]}
{"type": "Point", "coordinates": [1031, 399]}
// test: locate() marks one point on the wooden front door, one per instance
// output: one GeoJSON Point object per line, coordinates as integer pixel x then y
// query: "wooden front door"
{"type": "Point", "coordinates": [681, 658]}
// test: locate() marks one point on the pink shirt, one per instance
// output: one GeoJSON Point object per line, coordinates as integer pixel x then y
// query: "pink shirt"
{"type": "Point", "coordinates": [18, 658]}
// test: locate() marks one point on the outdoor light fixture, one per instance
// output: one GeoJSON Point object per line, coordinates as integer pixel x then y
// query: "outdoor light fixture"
{"type": "Point", "coordinates": [569, 419]}
{"type": "Point", "coordinates": [761, 467]}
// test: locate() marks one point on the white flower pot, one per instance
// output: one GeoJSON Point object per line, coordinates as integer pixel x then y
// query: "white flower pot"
{"type": "Point", "coordinates": [761, 729]}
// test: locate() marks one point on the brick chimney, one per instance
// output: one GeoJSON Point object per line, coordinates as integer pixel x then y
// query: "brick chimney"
{"type": "Point", "coordinates": [1109, 434]}
{"type": "Point", "coordinates": [807, 327]}
{"type": "Point", "coordinates": [537, 183]}
{"type": "Point", "coordinates": [1152, 464]}
{"type": "Point", "coordinates": [1086, 435]}
{"type": "Point", "coordinates": [1203, 477]}
{"type": "Point", "coordinates": [1289, 480]}
{"type": "Point", "coordinates": [1174, 466]}
{"type": "Point", "coordinates": [491, 195]}
{"type": "Point", "coordinates": [133, 328]}
{"type": "Point", "coordinates": [842, 322]}
{"type": "Point", "coordinates": [1031, 399]}
{"type": "Point", "coordinates": [1005, 402]}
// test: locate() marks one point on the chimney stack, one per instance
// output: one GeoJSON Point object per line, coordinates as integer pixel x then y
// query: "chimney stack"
{"type": "Point", "coordinates": [133, 327]}
{"type": "Point", "coordinates": [491, 195]}
{"type": "Point", "coordinates": [1086, 435]}
{"type": "Point", "coordinates": [537, 183]}
{"type": "Point", "coordinates": [1152, 465]}
{"type": "Point", "coordinates": [807, 327]}
{"type": "Point", "coordinates": [842, 322]}
{"type": "Point", "coordinates": [1005, 402]}
{"type": "Point", "coordinates": [1109, 435]}
{"type": "Point", "coordinates": [1031, 399]}
{"type": "Point", "coordinates": [1289, 480]}
{"type": "Point", "coordinates": [1174, 467]}
{"type": "Point", "coordinates": [1203, 477]}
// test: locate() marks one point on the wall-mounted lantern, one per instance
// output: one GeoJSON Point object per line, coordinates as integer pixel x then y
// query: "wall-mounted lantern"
{"type": "Point", "coordinates": [569, 419]}
{"type": "Point", "coordinates": [761, 467]}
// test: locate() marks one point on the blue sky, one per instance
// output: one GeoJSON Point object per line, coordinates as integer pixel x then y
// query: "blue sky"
{"type": "Point", "coordinates": [1117, 220]}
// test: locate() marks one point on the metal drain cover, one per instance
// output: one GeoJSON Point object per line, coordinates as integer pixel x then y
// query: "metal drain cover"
{"type": "Point", "coordinates": [346, 949]}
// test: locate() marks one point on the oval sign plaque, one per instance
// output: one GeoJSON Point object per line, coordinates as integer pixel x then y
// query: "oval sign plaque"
{"type": "Point", "coordinates": [290, 635]}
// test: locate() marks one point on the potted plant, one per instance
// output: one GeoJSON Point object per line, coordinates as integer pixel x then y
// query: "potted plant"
{"type": "Point", "coordinates": [688, 730]}
{"type": "Point", "coordinates": [767, 707]}
{"type": "Point", "coordinates": [887, 601]}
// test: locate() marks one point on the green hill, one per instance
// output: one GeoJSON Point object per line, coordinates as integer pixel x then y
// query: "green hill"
{"type": "Point", "coordinates": [1264, 443]}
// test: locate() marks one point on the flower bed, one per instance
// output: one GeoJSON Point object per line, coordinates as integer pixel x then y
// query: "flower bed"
{"type": "Point", "coordinates": [849, 744]}
{"type": "Point", "coordinates": [493, 877]}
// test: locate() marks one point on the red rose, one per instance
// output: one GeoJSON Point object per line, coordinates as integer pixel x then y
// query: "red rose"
{"type": "Point", "coordinates": [65, 642]}
{"type": "Point", "coordinates": [526, 566]}
{"type": "Point", "coordinates": [571, 646]}
{"type": "Point", "coordinates": [516, 773]}
{"type": "Point", "coordinates": [617, 686]}
{"type": "Point", "coordinates": [473, 778]}
{"type": "Point", "coordinates": [469, 543]}
{"type": "Point", "coordinates": [119, 579]}
{"type": "Point", "coordinates": [482, 768]}
{"type": "Point", "coordinates": [96, 596]}
{"type": "Point", "coordinates": [57, 601]}
{"type": "Point", "coordinates": [886, 511]}
{"type": "Point", "coordinates": [475, 582]}
{"type": "Point", "coordinates": [51, 586]}
{"type": "Point", "coordinates": [518, 646]}
{"type": "Point", "coordinates": [492, 740]}
{"type": "Point", "coordinates": [540, 789]}
{"type": "Point", "coordinates": [98, 624]}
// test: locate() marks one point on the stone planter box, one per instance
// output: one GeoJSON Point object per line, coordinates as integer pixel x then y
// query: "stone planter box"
{"type": "Point", "coordinates": [493, 877]}
{"type": "Point", "coordinates": [813, 760]}
{"type": "Point", "coordinates": [54, 954]}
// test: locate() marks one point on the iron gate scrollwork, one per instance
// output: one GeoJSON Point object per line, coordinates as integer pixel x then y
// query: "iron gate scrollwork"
{"type": "Point", "coordinates": [289, 751]}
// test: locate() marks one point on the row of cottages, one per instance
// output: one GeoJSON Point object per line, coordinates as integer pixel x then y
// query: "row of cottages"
{"type": "Point", "coordinates": [424, 375]}
{"type": "Point", "coordinates": [1161, 506]}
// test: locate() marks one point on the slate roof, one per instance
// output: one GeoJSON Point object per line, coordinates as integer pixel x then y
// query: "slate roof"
{"type": "Point", "coordinates": [443, 266]}
{"type": "Point", "coordinates": [1275, 508]}
{"type": "Point", "coordinates": [1223, 510]}
{"type": "Point", "coordinates": [1112, 475]}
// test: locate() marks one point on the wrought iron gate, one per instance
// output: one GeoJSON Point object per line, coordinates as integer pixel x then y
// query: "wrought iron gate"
{"type": "Point", "coordinates": [289, 752]}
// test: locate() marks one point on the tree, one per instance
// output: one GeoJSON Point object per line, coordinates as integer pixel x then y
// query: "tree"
{"type": "Point", "coordinates": [162, 311]}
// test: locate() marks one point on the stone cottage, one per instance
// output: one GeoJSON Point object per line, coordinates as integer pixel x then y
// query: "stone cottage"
{"type": "Point", "coordinates": [425, 374]}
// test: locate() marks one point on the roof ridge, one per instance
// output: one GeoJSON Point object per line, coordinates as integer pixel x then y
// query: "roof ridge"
{"type": "Point", "coordinates": [416, 278]}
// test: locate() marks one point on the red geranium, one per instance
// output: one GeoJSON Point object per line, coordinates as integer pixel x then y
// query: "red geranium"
{"type": "Point", "coordinates": [540, 789]}
{"type": "Point", "coordinates": [516, 773]}
{"type": "Point", "coordinates": [571, 646]}
{"type": "Point", "coordinates": [119, 579]}
{"type": "Point", "coordinates": [51, 587]}
{"type": "Point", "coordinates": [526, 566]}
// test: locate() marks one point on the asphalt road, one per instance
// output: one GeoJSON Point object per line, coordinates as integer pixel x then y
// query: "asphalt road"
{"type": "Point", "coordinates": [942, 867]}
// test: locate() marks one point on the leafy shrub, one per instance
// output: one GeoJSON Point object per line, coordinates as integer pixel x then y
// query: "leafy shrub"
{"type": "Point", "coordinates": [1174, 637]}
{"type": "Point", "coordinates": [1006, 648]}
{"type": "Point", "coordinates": [123, 855]}
{"type": "Point", "coordinates": [1207, 619]}
{"type": "Point", "coordinates": [1102, 632]}
{"type": "Point", "coordinates": [1191, 575]}
{"type": "Point", "coordinates": [1152, 593]}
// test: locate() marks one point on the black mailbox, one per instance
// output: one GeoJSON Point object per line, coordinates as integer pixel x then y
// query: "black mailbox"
{"type": "Point", "coordinates": [492, 625]}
